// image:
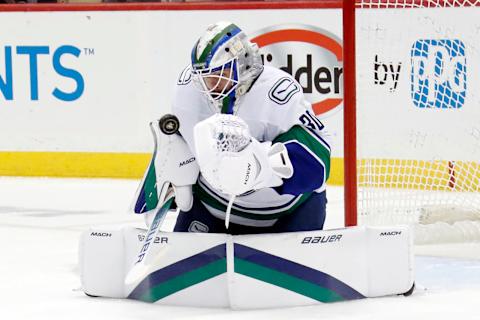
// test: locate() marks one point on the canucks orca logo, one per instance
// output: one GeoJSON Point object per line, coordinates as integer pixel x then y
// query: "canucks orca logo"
{"type": "Point", "coordinates": [313, 56]}
{"type": "Point", "coordinates": [283, 90]}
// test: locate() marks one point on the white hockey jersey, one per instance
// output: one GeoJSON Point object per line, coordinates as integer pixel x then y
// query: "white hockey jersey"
{"type": "Point", "coordinates": [275, 110]}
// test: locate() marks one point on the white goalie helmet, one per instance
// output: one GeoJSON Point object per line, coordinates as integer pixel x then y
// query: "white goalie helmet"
{"type": "Point", "coordinates": [225, 64]}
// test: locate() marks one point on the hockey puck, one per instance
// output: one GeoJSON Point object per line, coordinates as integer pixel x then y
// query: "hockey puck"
{"type": "Point", "coordinates": [169, 124]}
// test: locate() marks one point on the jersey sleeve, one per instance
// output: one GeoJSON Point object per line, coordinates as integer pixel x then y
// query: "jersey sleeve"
{"type": "Point", "coordinates": [310, 157]}
{"type": "Point", "coordinates": [308, 146]}
{"type": "Point", "coordinates": [185, 106]}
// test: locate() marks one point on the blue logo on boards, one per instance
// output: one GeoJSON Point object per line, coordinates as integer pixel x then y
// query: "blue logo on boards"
{"type": "Point", "coordinates": [439, 74]}
{"type": "Point", "coordinates": [12, 56]}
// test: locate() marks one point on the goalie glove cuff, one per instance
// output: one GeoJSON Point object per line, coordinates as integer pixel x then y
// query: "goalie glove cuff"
{"type": "Point", "coordinates": [280, 161]}
{"type": "Point", "coordinates": [274, 164]}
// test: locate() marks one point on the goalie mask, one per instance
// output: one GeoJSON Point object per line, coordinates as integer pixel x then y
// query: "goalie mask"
{"type": "Point", "coordinates": [225, 64]}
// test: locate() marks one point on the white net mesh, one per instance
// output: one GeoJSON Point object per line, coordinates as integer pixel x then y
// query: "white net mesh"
{"type": "Point", "coordinates": [418, 132]}
{"type": "Point", "coordinates": [417, 191]}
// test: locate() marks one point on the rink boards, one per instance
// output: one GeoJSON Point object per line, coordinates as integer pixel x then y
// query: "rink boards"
{"type": "Point", "coordinates": [75, 104]}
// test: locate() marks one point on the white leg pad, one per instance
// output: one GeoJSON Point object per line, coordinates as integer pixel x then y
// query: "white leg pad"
{"type": "Point", "coordinates": [390, 261]}
{"type": "Point", "coordinates": [251, 271]}
{"type": "Point", "coordinates": [188, 269]}
{"type": "Point", "coordinates": [102, 261]}
{"type": "Point", "coordinates": [304, 268]}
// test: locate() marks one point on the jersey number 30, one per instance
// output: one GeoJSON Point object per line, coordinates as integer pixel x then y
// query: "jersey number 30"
{"type": "Point", "coordinates": [310, 121]}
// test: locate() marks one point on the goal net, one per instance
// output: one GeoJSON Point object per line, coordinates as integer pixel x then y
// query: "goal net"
{"type": "Point", "coordinates": [418, 116]}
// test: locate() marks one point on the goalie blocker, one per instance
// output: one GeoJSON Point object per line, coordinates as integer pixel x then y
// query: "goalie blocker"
{"type": "Point", "coordinates": [250, 271]}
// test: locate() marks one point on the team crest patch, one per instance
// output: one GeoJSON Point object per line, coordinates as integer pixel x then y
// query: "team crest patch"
{"type": "Point", "coordinates": [283, 90]}
{"type": "Point", "coordinates": [197, 226]}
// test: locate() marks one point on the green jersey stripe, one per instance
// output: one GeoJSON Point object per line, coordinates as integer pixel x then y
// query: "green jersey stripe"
{"type": "Point", "coordinates": [214, 202]}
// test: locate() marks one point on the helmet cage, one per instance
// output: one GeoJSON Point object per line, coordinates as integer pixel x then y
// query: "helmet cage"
{"type": "Point", "coordinates": [217, 82]}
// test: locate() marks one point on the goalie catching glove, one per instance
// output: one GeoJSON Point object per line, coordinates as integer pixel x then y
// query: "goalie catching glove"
{"type": "Point", "coordinates": [233, 161]}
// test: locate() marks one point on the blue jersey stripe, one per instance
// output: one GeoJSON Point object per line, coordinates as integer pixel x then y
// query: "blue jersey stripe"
{"type": "Point", "coordinates": [308, 170]}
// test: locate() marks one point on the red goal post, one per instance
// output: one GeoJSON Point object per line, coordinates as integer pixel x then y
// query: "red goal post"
{"type": "Point", "coordinates": [349, 115]}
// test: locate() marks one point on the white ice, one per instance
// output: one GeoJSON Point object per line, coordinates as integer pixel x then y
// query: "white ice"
{"type": "Point", "coordinates": [41, 221]}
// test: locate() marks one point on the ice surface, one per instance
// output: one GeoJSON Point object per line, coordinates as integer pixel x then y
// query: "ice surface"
{"type": "Point", "coordinates": [41, 221]}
